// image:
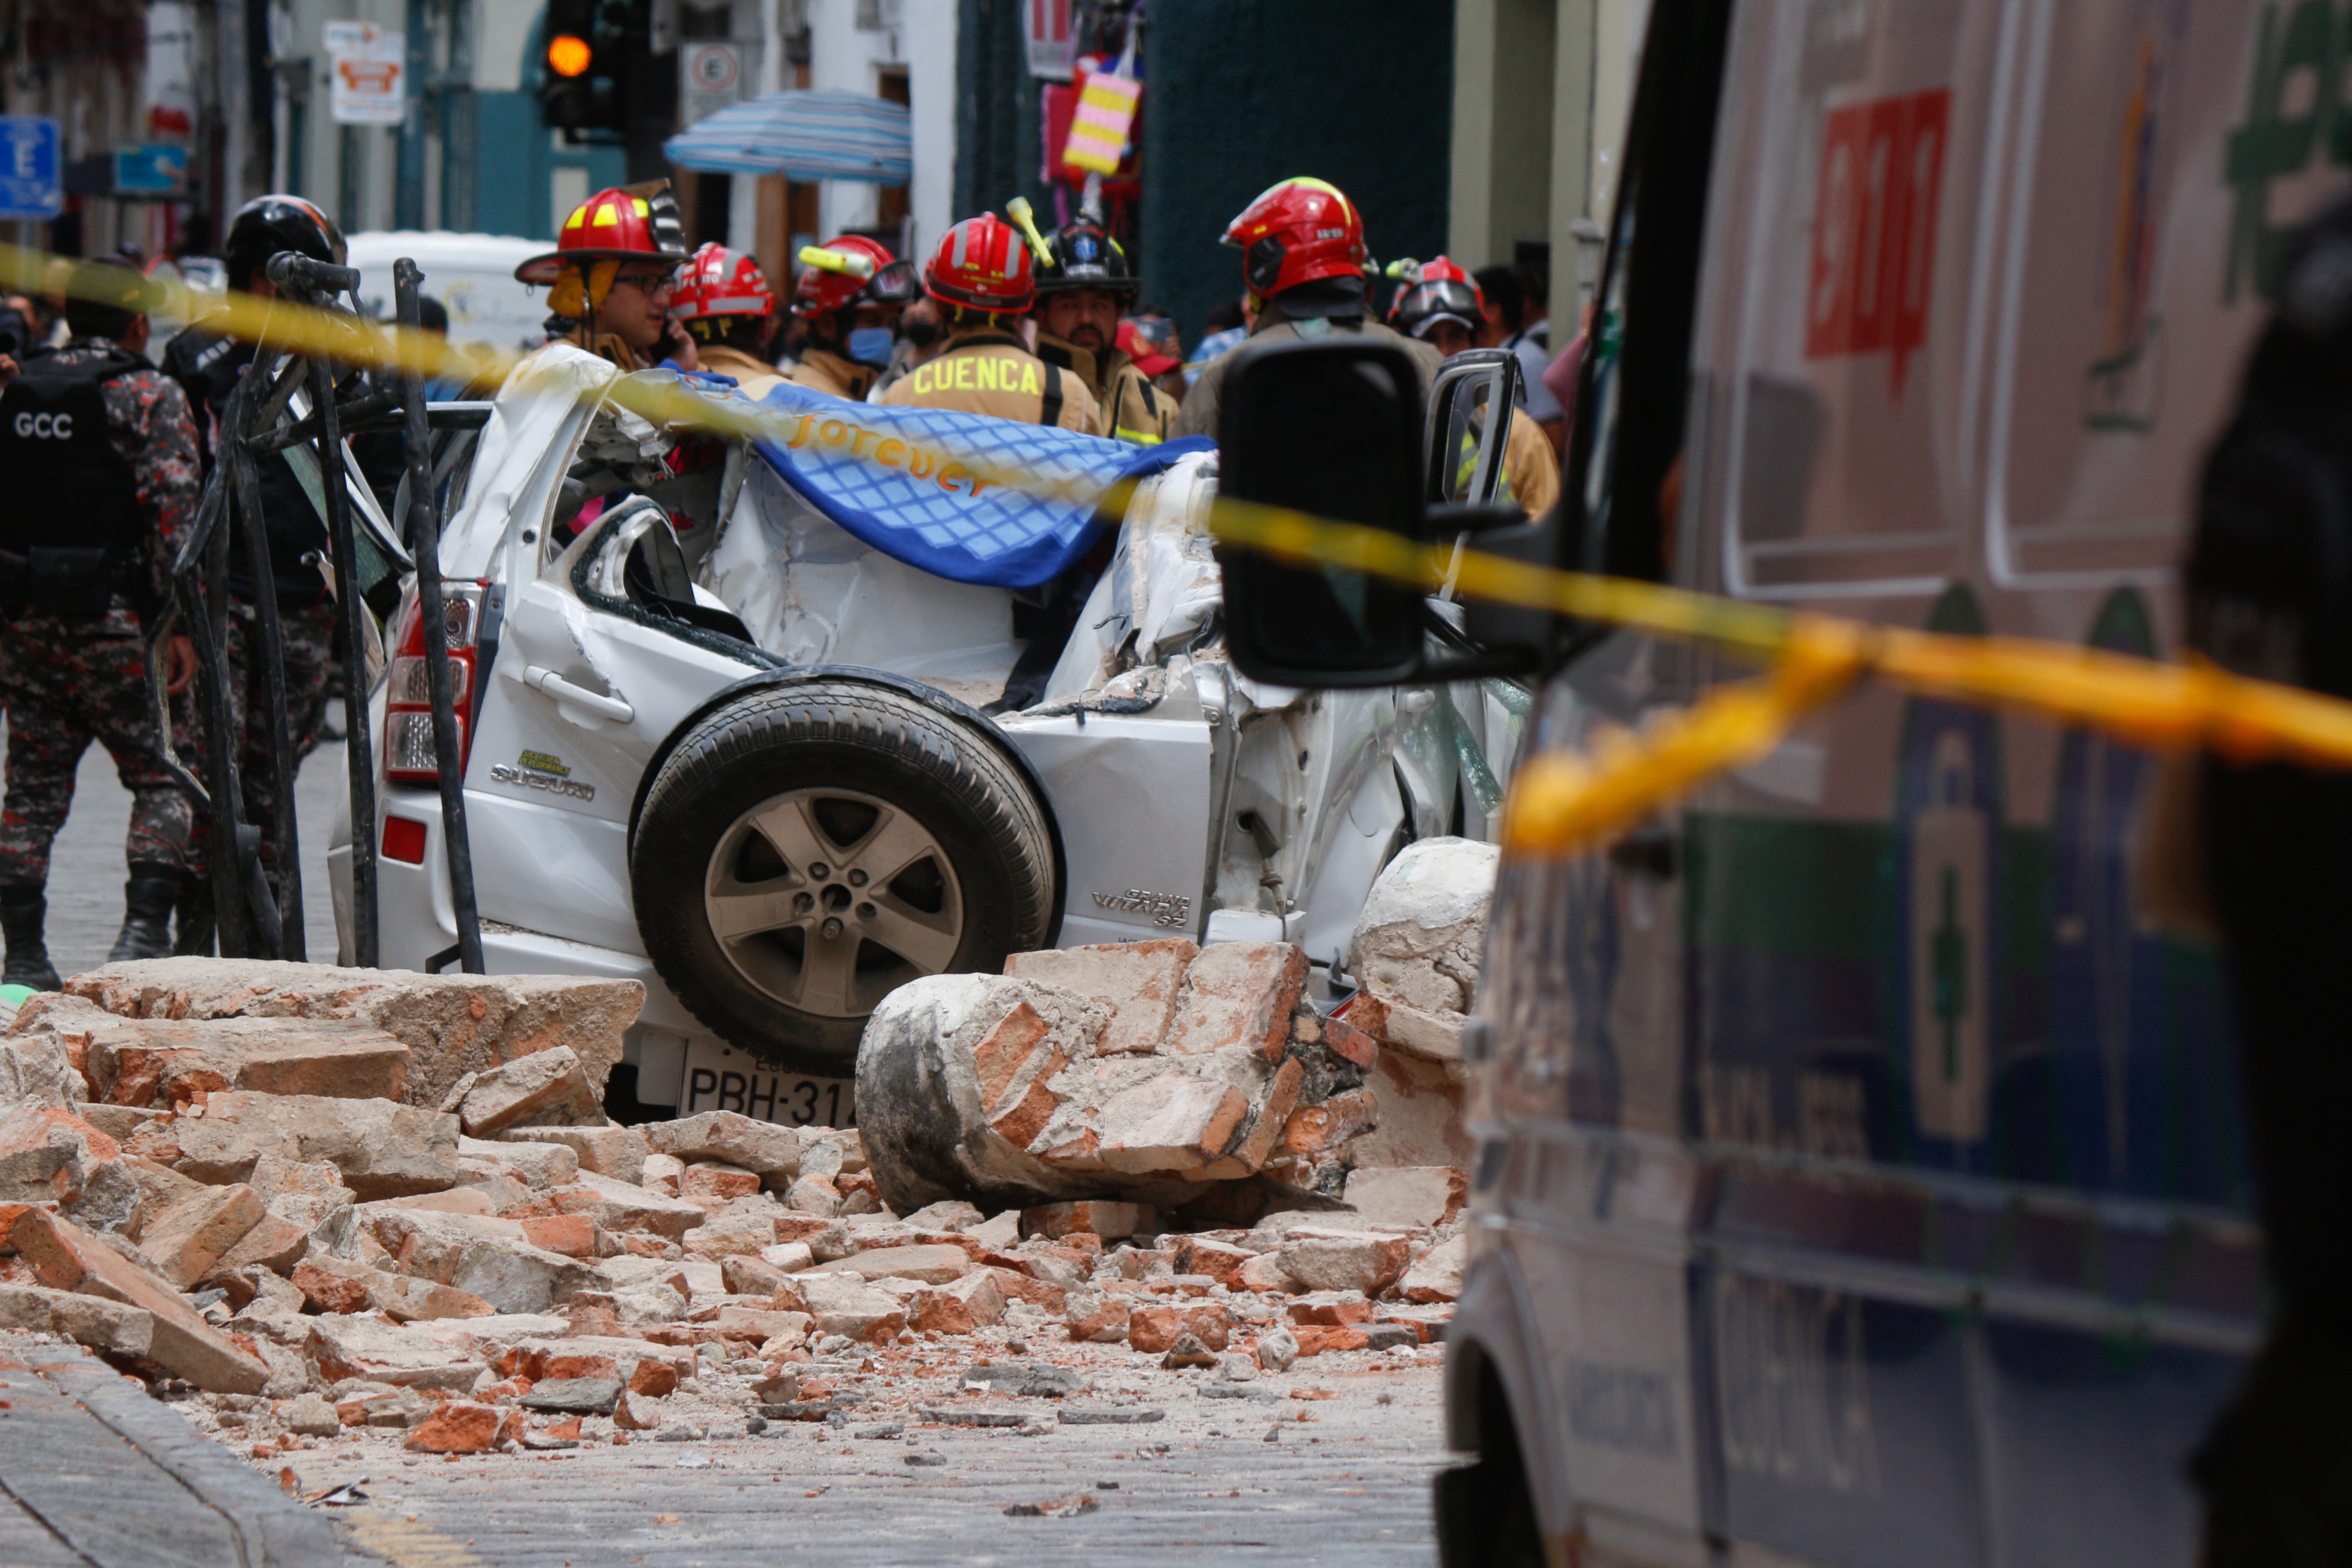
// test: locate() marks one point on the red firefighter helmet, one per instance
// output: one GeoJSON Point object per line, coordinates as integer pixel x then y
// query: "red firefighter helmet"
{"type": "Point", "coordinates": [619, 225]}
{"type": "Point", "coordinates": [716, 281]}
{"type": "Point", "coordinates": [1297, 231]}
{"type": "Point", "coordinates": [1438, 290]}
{"type": "Point", "coordinates": [982, 262]}
{"type": "Point", "coordinates": [843, 273]}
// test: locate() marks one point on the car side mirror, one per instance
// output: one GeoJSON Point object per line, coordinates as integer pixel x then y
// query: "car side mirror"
{"type": "Point", "coordinates": [1466, 447]}
{"type": "Point", "coordinates": [1332, 428]}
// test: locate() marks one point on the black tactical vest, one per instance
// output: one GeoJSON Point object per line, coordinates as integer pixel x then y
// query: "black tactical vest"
{"type": "Point", "coordinates": [70, 528]}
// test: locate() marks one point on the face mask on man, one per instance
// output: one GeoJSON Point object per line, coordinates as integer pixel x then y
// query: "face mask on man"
{"type": "Point", "coordinates": [870, 345]}
{"type": "Point", "coordinates": [920, 331]}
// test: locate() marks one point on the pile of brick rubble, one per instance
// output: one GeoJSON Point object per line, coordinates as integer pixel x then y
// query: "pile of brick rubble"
{"type": "Point", "coordinates": [320, 1205]}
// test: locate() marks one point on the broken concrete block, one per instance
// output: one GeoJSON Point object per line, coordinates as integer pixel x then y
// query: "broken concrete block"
{"type": "Point", "coordinates": [1155, 1327]}
{"type": "Point", "coordinates": [536, 1165]}
{"type": "Point", "coordinates": [66, 1257]}
{"type": "Point", "coordinates": [404, 1300]}
{"type": "Point", "coordinates": [51, 1156]}
{"type": "Point", "coordinates": [712, 1179]}
{"type": "Point", "coordinates": [1368, 1261]}
{"type": "Point", "coordinates": [953, 1215]}
{"type": "Point", "coordinates": [1139, 981]}
{"type": "Point", "coordinates": [35, 1064]}
{"type": "Point", "coordinates": [729, 1136]}
{"type": "Point", "coordinates": [930, 1265]}
{"type": "Point", "coordinates": [1110, 1220]}
{"type": "Point", "coordinates": [159, 1063]}
{"type": "Point", "coordinates": [369, 1347]}
{"type": "Point", "coordinates": [93, 1320]}
{"type": "Point", "coordinates": [1415, 1196]}
{"type": "Point", "coordinates": [928, 1107]}
{"type": "Point", "coordinates": [1418, 944]}
{"type": "Point", "coordinates": [814, 1195]}
{"type": "Point", "coordinates": [160, 1187]}
{"type": "Point", "coordinates": [1264, 1274]}
{"type": "Point", "coordinates": [310, 1415]}
{"type": "Point", "coordinates": [458, 1427]}
{"type": "Point", "coordinates": [546, 1088]}
{"type": "Point", "coordinates": [451, 1024]}
{"type": "Point", "coordinates": [1171, 1123]}
{"type": "Point", "coordinates": [1277, 1349]}
{"type": "Point", "coordinates": [573, 1395]}
{"type": "Point", "coordinates": [1436, 1275]}
{"type": "Point", "coordinates": [958, 1307]}
{"type": "Point", "coordinates": [1095, 1317]}
{"type": "Point", "coordinates": [1219, 1260]}
{"type": "Point", "coordinates": [185, 1240]}
{"type": "Point", "coordinates": [304, 1191]}
{"type": "Point", "coordinates": [618, 1206]}
{"type": "Point", "coordinates": [616, 1151]}
{"type": "Point", "coordinates": [746, 1226]}
{"type": "Point", "coordinates": [845, 1305]}
{"type": "Point", "coordinates": [381, 1150]}
{"type": "Point", "coordinates": [1314, 1128]}
{"type": "Point", "coordinates": [274, 1243]}
{"type": "Point", "coordinates": [1238, 994]}
{"type": "Point", "coordinates": [573, 1234]}
{"type": "Point", "coordinates": [758, 1324]}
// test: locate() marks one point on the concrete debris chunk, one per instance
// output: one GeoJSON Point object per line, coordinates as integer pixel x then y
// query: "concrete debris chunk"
{"type": "Point", "coordinates": [53, 1157]}
{"type": "Point", "coordinates": [1414, 1196]}
{"type": "Point", "coordinates": [845, 1305]}
{"type": "Point", "coordinates": [573, 1396]}
{"type": "Point", "coordinates": [536, 1165]}
{"type": "Point", "coordinates": [159, 1063]}
{"type": "Point", "coordinates": [39, 1059]}
{"type": "Point", "coordinates": [1238, 994]}
{"type": "Point", "coordinates": [188, 1238]}
{"type": "Point", "coordinates": [1342, 1260]}
{"type": "Point", "coordinates": [547, 1088]}
{"type": "Point", "coordinates": [930, 1265]}
{"type": "Point", "coordinates": [451, 1024]}
{"type": "Point", "coordinates": [64, 1257]}
{"type": "Point", "coordinates": [378, 1350]}
{"type": "Point", "coordinates": [1436, 1275]}
{"type": "Point", "coordinates": [616, 1151]}
{"type": "Point", "coordinates": [1139, 981]}
{"type": "Point", "coordinates": [1419, 943]}
{"type": "Point", "coordinates": [762, 1147]}
{"type": "Point", "coordinates": [380, 1149]}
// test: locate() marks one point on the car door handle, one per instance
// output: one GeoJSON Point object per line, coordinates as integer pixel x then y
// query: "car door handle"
{"type": "Point", "coordinates": [540, 679]}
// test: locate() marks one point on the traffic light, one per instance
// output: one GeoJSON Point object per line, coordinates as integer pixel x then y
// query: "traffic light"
{"type": "Point", "coordinates": [584, 61]}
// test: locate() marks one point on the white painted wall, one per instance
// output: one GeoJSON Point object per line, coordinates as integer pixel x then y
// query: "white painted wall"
{"type": "Point", "coordinates": [929, 37]}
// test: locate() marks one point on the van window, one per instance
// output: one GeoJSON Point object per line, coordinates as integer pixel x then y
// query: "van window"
{"type": "Point", "coordinates": [1627, 460]}
{"type": "Point", "coordinates": [1853, 273]}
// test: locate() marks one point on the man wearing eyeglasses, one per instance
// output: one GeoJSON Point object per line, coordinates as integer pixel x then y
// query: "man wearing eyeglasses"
{"type": "Point", "coordinates": [612, 266]}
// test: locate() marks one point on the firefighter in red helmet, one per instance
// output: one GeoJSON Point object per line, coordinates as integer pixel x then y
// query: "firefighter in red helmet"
{"type": "Point", "coordinates": [1303, 260]}
{"type": "Point", "coordinates": [1442, 306]}
{"type": "Point", "coordinates": [723, 300]}
{"type": "Point", "coordinates": [612, 266]}
{"type": "Point", "coordinates": [981, 276]}
{"type": "Point", "coordinates": [848, 299]}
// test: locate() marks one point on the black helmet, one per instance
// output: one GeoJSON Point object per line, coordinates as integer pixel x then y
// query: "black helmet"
{"type": "Point", "coordinates": [1081, 256]}
{"type": "Point", "coordinates": [267, 225]}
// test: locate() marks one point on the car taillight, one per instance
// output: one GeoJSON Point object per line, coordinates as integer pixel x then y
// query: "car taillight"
{"type": "Point", "coordinates": [408, 754]}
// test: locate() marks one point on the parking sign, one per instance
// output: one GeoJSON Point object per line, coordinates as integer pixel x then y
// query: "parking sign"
{"type": "Point", "coordinates": [29, 167]}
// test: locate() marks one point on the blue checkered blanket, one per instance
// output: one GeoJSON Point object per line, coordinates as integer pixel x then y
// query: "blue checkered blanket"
{"type": "Point", "coordinates": [921, 484]}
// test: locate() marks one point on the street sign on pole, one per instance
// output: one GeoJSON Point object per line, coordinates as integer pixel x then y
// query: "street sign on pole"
{"type": "Point", "coordinates": [155, 169]}
{"type": "Point", "coordinates": [32, 169]}
{"type": "Point", "coordinates": [710, 77]}
{"type": "Point", "coordinates": [365, 67]}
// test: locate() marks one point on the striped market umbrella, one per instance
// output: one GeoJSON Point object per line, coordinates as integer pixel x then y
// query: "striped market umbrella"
{"type": "Point", "coordinates": [802, 136]}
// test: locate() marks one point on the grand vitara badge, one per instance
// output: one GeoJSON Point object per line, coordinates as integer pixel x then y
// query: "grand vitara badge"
{"type": "Point", "coordinates": [1165, 909]}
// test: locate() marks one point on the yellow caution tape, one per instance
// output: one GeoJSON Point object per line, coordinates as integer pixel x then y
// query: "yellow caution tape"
{"type": "Point", "coordinates": [1561, 803]}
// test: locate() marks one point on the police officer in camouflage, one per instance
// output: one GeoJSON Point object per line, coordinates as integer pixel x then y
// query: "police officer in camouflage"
{"type": "Point", "coordinates": [99, 455]}
{"type": "Point", "coordinates": [207, 363]}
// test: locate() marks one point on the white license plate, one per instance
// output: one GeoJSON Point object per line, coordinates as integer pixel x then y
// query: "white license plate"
{"type": "Point", "coordinates": [721, 1078]}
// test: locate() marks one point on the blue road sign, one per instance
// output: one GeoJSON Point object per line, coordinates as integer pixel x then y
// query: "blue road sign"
{"type": "Point", "coordinates": [30, 167]}
{"type": "Point", "coordinates": [155, 169]}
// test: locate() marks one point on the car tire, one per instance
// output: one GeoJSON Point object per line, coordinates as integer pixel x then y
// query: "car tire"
{"type": "Point", "coordinates": [805, 849]}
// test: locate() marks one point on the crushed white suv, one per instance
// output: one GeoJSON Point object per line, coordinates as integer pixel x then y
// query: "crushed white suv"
{"type": "Point", "coordinates": [721, 743]}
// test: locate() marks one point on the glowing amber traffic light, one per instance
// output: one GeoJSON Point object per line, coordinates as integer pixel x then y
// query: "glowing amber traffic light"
{"type": "Point", "coordinates": [568, 55]}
